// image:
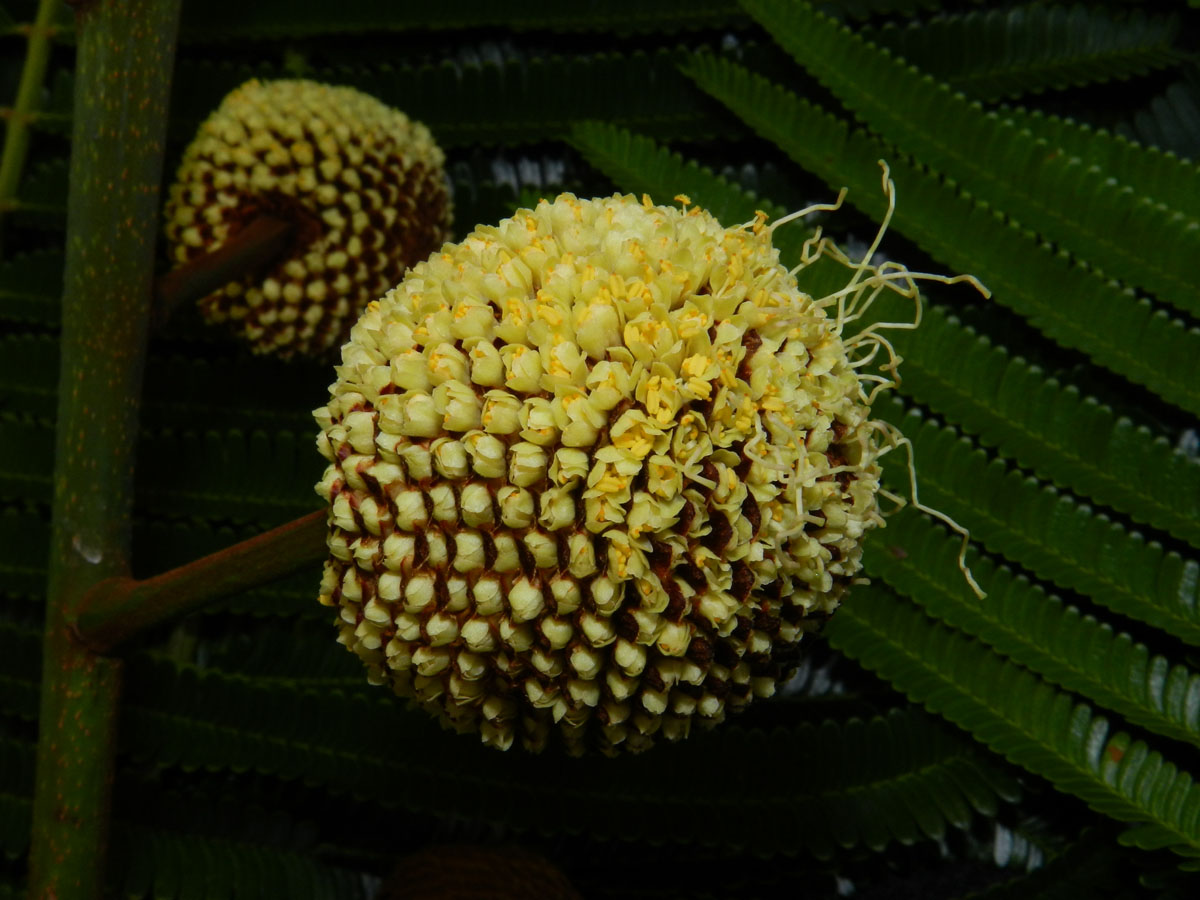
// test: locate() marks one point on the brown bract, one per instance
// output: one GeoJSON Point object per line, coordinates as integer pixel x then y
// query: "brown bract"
{"type": "Point", "coordinates": [362, 185]}
{"type": "Point", "coordinates": [594, 471]}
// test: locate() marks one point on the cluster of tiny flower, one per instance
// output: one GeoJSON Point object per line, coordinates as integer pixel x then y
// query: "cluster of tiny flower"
{"type": "Point", "coordinates": [362, 185]}
{"type": "Point", "coordinates": [593, 471]}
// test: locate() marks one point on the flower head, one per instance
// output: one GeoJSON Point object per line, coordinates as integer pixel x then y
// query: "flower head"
{"type": "Point", "coordinates": [361, 184]}
{"type": "Point", "coordinates": [620, 498]}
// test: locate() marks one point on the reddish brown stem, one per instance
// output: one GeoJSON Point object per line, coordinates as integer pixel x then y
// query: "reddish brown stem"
{"type": "Point", "coordinates": [249, 251]}
{"type": "Point", "coordinates": [118, 610]}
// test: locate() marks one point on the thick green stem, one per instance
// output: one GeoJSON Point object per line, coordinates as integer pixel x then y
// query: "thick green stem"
{"type": "Point", "coordinates": [123, 72]}
{"type": "Point", "coordinates": [16, 135]}
{"type": "Point", "coordinates": [118, 610]}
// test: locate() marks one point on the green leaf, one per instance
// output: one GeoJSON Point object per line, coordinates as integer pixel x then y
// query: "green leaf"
{"type": "Point", "coordinates": [362, 742]}
{"type": "Point", "coordinates": [1073, 305]}
{"type": "Point", "coordinates": [42, 199]}
{"type": "Point", "coordinates": [1132, 238]}
{"type": "Point", "coordinates": [1147, 171]}
{"type": "Point", "coordinates": [24, 543]}
{"type": "Point", "coordinates": [491, 186]}
{"type": "Point", "coordinates": [1045, 530]}
{"type": "Point", "coordinates": [1087, 868]}
{"type": "Point", "coordinates": [31, 286]}
{"type": "Point", "coordinates": [639, 165]}
{"type": "Point", "coordinates": [1042, 633]}
{"type": "Point", "coordinates": [994, 53]}
{"type": "Point", "coordinates": [1035, 420]}
{"type": "Point", "coordinates": [1171, 121]}
{"type": "Point", "coordinates": [492, 100]}
{"type": "Point", "coordinates": [26, 458]}
{"type": "Point", "coordinates": [224, 20]}
{"type": "Point", "coordinates": [301, 654]}
{"type": "Point", "coordinates": [1021, 717]}
{"type": "Point", "coordinates": [28, 373]}
{"type": "Point", "coordinates": [182, 392]}
{"type": "Point", "coordinates": [183, 866]}
{"type": "Point", "coordinates": [20, 661]}
{"type": "Point", "coordinates": [261, 477]}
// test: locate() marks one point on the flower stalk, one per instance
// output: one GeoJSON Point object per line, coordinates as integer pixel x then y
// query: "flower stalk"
{"type": "Point", "coordinates": [254, 248]}
{"type": "Point", "coordinates": [118, 610]}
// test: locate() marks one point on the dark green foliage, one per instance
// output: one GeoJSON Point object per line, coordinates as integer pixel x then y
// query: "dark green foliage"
{"type": "Point", "coordinates": [1020, 716]}
{"type": "Point", "coordinates": [489, 98]}
{"type": "Point", "coordinates": [1039, 631]}
{"type": "Point", "coordinates": [902, 777]}
{"type": "Point", "coordinates": [860, 783]}
{"type": "Point", "coordinates": [42, 202]}
{"type": "Point", "coordinates": [1056, 421]}
{"type": "Point", "coordinates": [163, 864]}
{"type": "Point", "coordinates": [1084, 869]}
{"type": "Point", "coordinates": [1171, 120]}
{"type": "Point", "coordinates": [994, 53]}
{"type": "Point", "coordinates": [1074, 206]}
{"type": "Point", "coordinates": [29, 287]}
{"type": "Point", "coordinates": [1051, 533]}
{"type": "Point", "coordinates": [1148, 170]}
{"type": "Point", "coordinates": [314, 18]}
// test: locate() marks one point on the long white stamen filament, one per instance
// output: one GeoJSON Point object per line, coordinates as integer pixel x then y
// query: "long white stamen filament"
{"type": "Point", "coordinates": [809, 210]}
{"type": "Point", "coordinates": [896, 439]}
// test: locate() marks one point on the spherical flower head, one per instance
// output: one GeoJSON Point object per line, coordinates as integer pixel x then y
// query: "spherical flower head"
{"type": "Point", "coordinates": [361, 184]}
{"type": "Point", "coordinates": [593, 472]}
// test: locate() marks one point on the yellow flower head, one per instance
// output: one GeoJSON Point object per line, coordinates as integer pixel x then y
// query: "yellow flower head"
{"type": "Point", "coordinates": [361, 184]}
{"type": "Point", "coordinates": [616, 464]}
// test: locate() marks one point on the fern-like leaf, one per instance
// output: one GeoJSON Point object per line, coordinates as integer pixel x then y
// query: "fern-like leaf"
{"type": "Point", "coordinates": [1046, 531]}
{"type": "Point", "coordinates": [164, 864]}
{"type": "Point", "coordinates": [24, 543]}
{"type": "Point", "coordinates": [299, 655]}
{"type": "Point", "coordinates": [26, 458]}
{"type": "Point", "coordinates": [1135, 240]}
{"type": "Point", "coordinates": [489, 186]}
{"type": "Point", "coordinates": [639, 165]}
{"type": "Point", "coordinates": [495, 99]}
{"type": "Point", "coordinates": [261, 477]}
{"type": "Point", "coordinates": [996, 53]}
{"type": "Point", "coordinates": [1040, 632]}
{"type": "Point", "coordinates": [1147, 171]}
{"type": "Point", "coordinates": [30, 287]}
{"type": "Point", "coordinates": [897, 778]}
{"type": "Point", "coordinates": [1171, 121]}
{"type": "Point", "coordinates": [1021, 717]}
{"type": "Point", "coordinates": [20, 657]}
{"type": "Point", "coordinates": [1075, 441]}
{"type": "Point", "coordinates": [1073, 305]}
{"type": "Point", "coordinates": [227, 19]}
{"type": "Point", "coordinates": [1003, 399]}
{"type": "Point", "coordinates": [16, 783]}
{"type": "Point", "coordinates": [181, 392]}
{"type": "Point", "coordinates": [42, 201]}
{"type": "Point", "coordinates": [28, 383]}
{"type": "Point", "coordinates": [1087, 868]}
